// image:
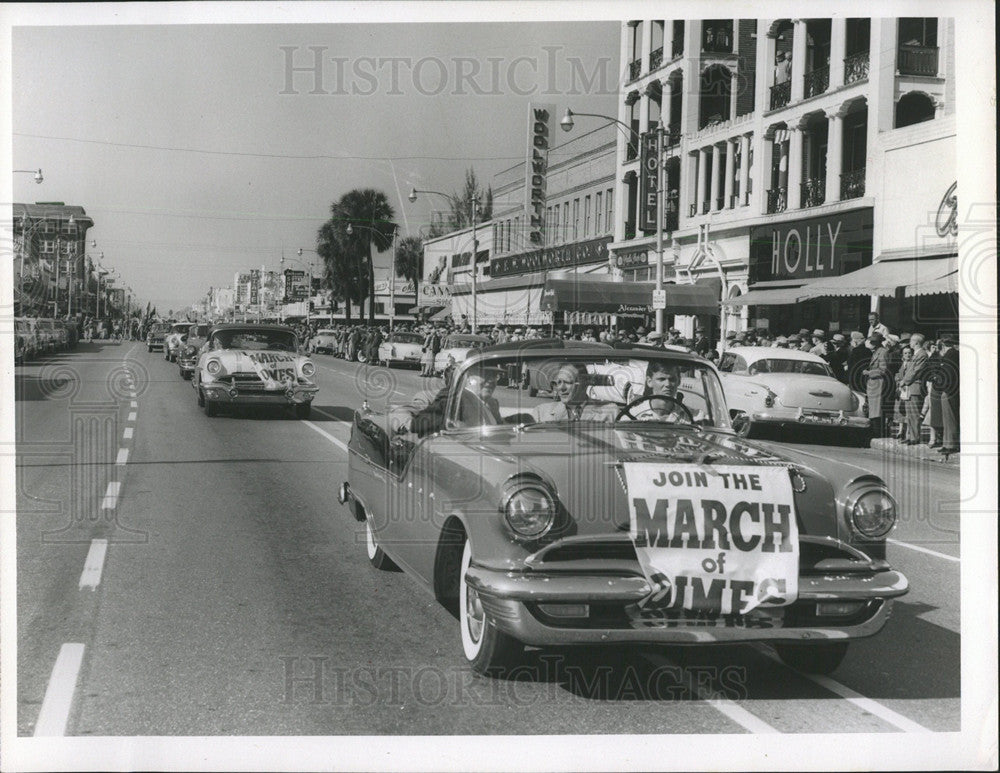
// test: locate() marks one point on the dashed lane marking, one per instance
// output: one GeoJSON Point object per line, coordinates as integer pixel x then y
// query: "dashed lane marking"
{"type": "Point", "coordinates": [928, 551]}
{"type": "Point", "coordinates": [133, 404]}
{"type": "Point", "coordinates": [132, 415]}
{"type": "Point", "coordinates": [122, 457]}
{"type": "Point", "coordinates": [58, 699]}
{"type": "Point", "coordinates": [94, 564]}
{"type": "Point", "coordinates": [127, 434]}
{"type": "Point", "coordinates": [336, 441]}
{"type": "Point", "coordinates": [111, 497]}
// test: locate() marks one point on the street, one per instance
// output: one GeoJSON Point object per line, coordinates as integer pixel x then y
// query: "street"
{"type": "Point", "coordinates": [185, 575]}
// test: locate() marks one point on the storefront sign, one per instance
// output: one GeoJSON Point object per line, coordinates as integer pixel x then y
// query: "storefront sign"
{"type": "Point", "coordinates": [632, 259]}
{"type": "Point", "coordinates": [296, 285]}
{"type": "Point", "coordinates": [549, 258]}
{"type": "Point", "coordinates": [537, 162]}
{"type": "Point", "coordinates": [813, 248]}
{"type": "Point", "coordinates": [648, 181]}
{"type": "Point", "coordinates": [633, 308]}
{"type": "Point", "coordinates": [254, 287]}
{"type": "Point", "coordinates": [434, 295]}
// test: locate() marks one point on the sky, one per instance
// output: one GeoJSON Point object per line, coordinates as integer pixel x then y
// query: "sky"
{"type": "Point", "coordinates": [201, 150]}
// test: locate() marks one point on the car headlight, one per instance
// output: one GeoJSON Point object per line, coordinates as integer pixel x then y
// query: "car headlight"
{"type": "Point", "coordinates": [213, 367]}
{"type": "Point", "coordinates": [769, 399]}
{"type": "Point", "coordinates": [190, 351]}
{"type": "Point", "coordinates": [529, 510]}
{"type": "Point", "coordinates": [308, 369]}
{"type": "Point", "coordinates": [872, 513]}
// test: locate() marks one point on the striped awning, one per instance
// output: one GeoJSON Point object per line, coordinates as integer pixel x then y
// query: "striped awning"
{"type": "Point", "coordinates": [767, 296]}
{"type": "Point", "coordinates": [883, 278]}
{"type": "Point", "coordinates": [624, 297]}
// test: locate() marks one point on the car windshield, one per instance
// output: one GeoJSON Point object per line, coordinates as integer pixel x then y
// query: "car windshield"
{"type": "Point", "coordinates": [281, 340]}
{"type": "Point", "coordinates": [406, 338]}
{"type": "Point", "coordinates": [465, 342]}
{"type": "Point", "coordinates": [201, 331]}
{"type": "Point", "coordinates": [801, 367]}
{"type": "Point", "coordinates": [158, 329]}
{"type": "Point", "coordinates": [560, 387]}
{"type": "Point", "coordinates": [180, 327]}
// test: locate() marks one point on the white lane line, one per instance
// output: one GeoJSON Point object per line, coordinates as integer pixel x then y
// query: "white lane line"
{"type": "Point", "coordinates": [127, 435]}
{"type": "Point", "coordinates": [58, 699]}
{"type": "Point", "coordinates": [324, 433]}
{"type": "Point", "coordinates": [111, 497]}
{"type": "Point", "coordinates": [94, 565]}
{"type": "Point", "coordinates": [749, 722]}
{"type": "Point", "coordinates": [331, 416]}
{"type": "Point", "coordinates": [865, 704]}
{"type": "Point", "coordinates": [131, 416]}
{"type": "Point", "coordinates": [928, 551]}
{"type": "Point", "coordinates": [122, 457]}
{"type": "Point", "coordinates": [133, 404]}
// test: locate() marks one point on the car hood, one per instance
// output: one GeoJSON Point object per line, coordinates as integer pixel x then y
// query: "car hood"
{"type": "Point", "coordinates": [584, 463]}
{"type": "Point", "coordinates": [269, 364]}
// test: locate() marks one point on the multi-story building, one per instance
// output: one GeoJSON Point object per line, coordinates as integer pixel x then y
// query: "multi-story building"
{"type": "Point", "coordinates": [777, 137]}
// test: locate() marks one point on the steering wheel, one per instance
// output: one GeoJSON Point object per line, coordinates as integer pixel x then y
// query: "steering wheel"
{"type": "Point", "coordinates": [626, 410]}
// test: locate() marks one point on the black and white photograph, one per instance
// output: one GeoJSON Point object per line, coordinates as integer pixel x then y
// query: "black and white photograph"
{"type": "Point", "coordinates": [498, 386]}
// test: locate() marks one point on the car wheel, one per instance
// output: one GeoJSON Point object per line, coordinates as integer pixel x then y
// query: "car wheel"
{"type": "Point", "coordinates": [376, 556]}
{"type": "Point", "coordinates": [486, 649]}
{"type": "Point", "coordinates": [813, 658]}
{"type": "Point", "coordinates": [303, 410]}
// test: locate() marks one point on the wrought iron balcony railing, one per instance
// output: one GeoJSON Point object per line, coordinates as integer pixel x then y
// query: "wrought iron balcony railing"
{"type": "Point", "coordinates": [917, 60]}
{"type": "Point", "coordinates": [632, 148]}
{"type": "Point", "coordinates": [777, 200]}
{"type": "Point", "coordinates": [816, 81]}
{"type": "Point", "coordinates": [813, 191]}
{"type": "Point", "coordinates": [856, 67]}
{"type": "Point", "coordinates": [672, 136]}
{"type": "Point", "coordinates": [634, 69]}
{"type": "Point", "coordinates": [706, 206]}
{"type": "Point", "coordinates": [671, 221]}
{"type": "Point", "coordinates": [781, 94]}
{"type": "Point", "coordinates": [720, 202]}
{"type": "Point", "coordinates": [676, 48]}
{"type": "Point", "coordinates": [693, 210]}
{"type": "Point", "coordinates": [852, 184]}
{"type": "Point", "coordinates": [656, 58]}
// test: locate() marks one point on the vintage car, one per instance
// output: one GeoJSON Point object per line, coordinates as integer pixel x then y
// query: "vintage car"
{"type": "Point", "coordinates": [401, 349]}
{"type": "Point", "coordinates": [187, 355]}
{"type": "Point", "coordinates": [783, 387]}
{"type": "Point", "coordinates": [571, 520]}
{"type": "Point", "coordinates": [324, 342]}
{"type": "Point", "coordinates": [156, 335]}
{"type": "Point", "coordinates": [26, 344]}
{"type": "Point", "coordinates": [254, 364]}
{"type": "Point", "coordinates": [174, 340]}
{"type": "Point", "coordinates": [48, 335]}
{"type": "Point", "coordinates": [455, 348]}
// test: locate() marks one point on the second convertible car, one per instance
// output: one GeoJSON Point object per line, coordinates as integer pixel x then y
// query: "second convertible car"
{"type": "Point", "coordinates": [579, 519]}
{"type": "Point", "coordinates": [254, 365]}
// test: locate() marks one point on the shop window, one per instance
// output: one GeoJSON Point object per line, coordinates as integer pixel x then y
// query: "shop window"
{"type": "Point", "coordinates": [586, 217]}
{"type": "Point", "coordinates": [597, 213]}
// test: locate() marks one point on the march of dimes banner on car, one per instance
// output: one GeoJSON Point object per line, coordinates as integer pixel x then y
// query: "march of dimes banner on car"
{"type": "Point", "coordinates": [719, 538]}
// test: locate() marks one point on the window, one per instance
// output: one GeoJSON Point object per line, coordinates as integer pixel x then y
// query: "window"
{"type": "Point", "coordinates": [586, 217]}
{"type": "Point", "coordinates": [48, 247]}
{"type": "Point", "coordinates": [576, 219]}
{"type": "Point", "coordinates": [565, 222]}
{"type": "Point", "coordinates": [597, 213]}
{"type": "Point", "coordinates": [556, 226]}
{"type": "Point", "coordinates": [507, 241]}
{"type": "Point", "coordinates": [548, 221]}
{"type": "Point", "coordinates": [608, 210]}
{"type": "Point", "coordinates": [517, 233]}
{"type": "Point", "coordinates": [48, 227]}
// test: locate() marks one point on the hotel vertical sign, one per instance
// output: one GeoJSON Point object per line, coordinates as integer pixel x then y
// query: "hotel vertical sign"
{"type": "Point", "coordinates": [648, 181]}
{"type": "Point", "coordinates": [537, 163]}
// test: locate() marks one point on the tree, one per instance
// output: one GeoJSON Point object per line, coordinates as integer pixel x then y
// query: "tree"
{"type": "Point", "coordinates": [410, 260]}
{"type": "Point", "coordinates": [370, 215]}
{"type": "Point", "coordinates": [341, 263]}
{"type": "Point", "coordinates": [460, 213]}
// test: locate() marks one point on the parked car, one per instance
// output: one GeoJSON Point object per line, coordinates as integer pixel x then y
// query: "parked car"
{"type": "Point", "coordinates": [580, 521]}
{"type": "Point", "coordinates": [456, 347]}
{"type": "Point", "coordinates": [783, 387]}
{"type": "Point", "coordinates": [156, 336]}
{"type": "Point", "coordinates": [401, 349]}
{"type": "Point", "coordinates": [48, 339]}
{"type": "Point", "coordinates": [324, 342]}
{"type": "Point", "coordinates": [174, 339]}
{"type": "Point", "coordinates": [187, 356]}
{"type": "Point", "coordinates": [26, 344]}
{"type": "Point", "coordinates": [254, 364]}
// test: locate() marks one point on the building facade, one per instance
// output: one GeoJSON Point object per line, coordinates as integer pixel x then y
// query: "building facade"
{"type": "Point", "coordinates": [777, 135]}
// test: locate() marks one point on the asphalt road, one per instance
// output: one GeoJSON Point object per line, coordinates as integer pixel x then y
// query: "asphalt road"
{"type": "Point", "coordinates": [180, 575]}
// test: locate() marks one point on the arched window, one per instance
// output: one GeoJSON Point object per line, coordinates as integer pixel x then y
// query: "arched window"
{"type": "Point", "coordinates": [912, 108]}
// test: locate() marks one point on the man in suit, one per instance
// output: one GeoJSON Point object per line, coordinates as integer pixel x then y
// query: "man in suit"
{"type": "Point", "coordinates": [879, 386]}
{"type": "Point", "coordinates": [911, 384]}
{"type": "Point", "coordinates": [571, 402]}
{"type": "Point", "coordinates": [947, 375]}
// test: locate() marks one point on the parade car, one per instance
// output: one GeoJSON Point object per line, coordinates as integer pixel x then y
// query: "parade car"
{"type": "Point", "coordinates": [26, 343]}
{"type": "Point", "coordinates": [784, 387]}
{"type": "Point", "coordinates": [402, 349]}
{"type": "Point", "coordinates": [174, 340]}
{"type": "Point", "coordinates": [579, 521]}
{"type": "Point", "coordinates": [455, 348]}
{"type": "Point", "coordinates": [324, 342]}
{"type": "Point", "coordinates": [254, 364]}
{"type": "Point", "coordinates": [156, 335]}
{"type": "Point", "coordinates": [187, 355]}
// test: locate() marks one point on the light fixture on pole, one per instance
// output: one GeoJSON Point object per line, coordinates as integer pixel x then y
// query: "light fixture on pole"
{"type": "Point", "coordinates": [567, 125]}
{"type": "Point", "coordinates": [36, 172]}
{"type": "Point", "coordinates": [371, 300]}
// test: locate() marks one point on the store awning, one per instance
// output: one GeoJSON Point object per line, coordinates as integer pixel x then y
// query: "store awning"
{"type": "Point", "coordinates": [883, 278]}
{"type": "Point", "coordinates": [580, 294]}
{"type": "Point", "coordinates": [946, 284]}
{"type": "Point", "coordinates": [444, 314]}
{"type": "Point", "coordinates": [767, 296]}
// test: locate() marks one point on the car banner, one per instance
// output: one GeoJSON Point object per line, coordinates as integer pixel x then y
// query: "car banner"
{"type": "Point", "coordinates": [719, 539]}
{"type": "Point", "coordinates": [275, 369]}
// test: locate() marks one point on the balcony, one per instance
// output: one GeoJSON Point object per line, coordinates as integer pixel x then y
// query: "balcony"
{"type": "Point", "coordinates": [917, 60]}
{"type": "Point", "coordinates": [734, 201]}
{"type": "Point", "coordinates": [777, 200]}
{"type": "Point", "coordinates": [720, 203]}
{"type": "Point", "coordinates": [634, 69]}
{"type": "Point", "coordinates": [816, 81]}
{"type": "Point", "coordinates": [693, 210]}
{"type": "Point", "coordinates": [671, 222]}
{"type": "Point", "coordinates": [852, 184]}
{"type": "Point", "coordinates": [656, 58]}
{"type": "Point", "coordinates": [856, 67]}
{"type": "Point", "coordinates": [676, 48]}
{"type": "Point", "coordinates": [706, 207]}
{"type": "Point", "coordinates": [781, 94]}
{"type": "Point", "coordinates": [672, 137]}
{"type": "Point", "coordinates": [632, 149]}
{"type": "Point", "coordinates": [813, 191]}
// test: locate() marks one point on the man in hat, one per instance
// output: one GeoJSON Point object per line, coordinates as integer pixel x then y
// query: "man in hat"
{"type": "Point", "coordinates": [781, 342]}
{"type": "Point", "coordinates": [947, 378]}
{"type": "Point", "coordinates": [656, 339]}
{"type": "Point", "coordinates": [879, 387]}
{"type": "Point", "coordinates": [794, 341]}
{"type": "Point", "coordinates": [858, 358]}
{"type": "Point", "coordinates": [819, 345]}
{"type": "Point", "coordinates": [838, 356]}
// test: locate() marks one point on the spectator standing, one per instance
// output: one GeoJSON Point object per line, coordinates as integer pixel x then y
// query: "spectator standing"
{"type": "Point", "coordinates": [858, 358]}
{"type": "Point", "coordinates": [934, 395]}
{"type": "Point", "coordinates": [911, 387]}
{"type": "Point", "coordinates": [948, 381]}
{"type": "Point", "coordinates": [876, 326]}
{"type": "Point", "coordinates": [878, 386]}
{"type": "Point", "coordinates": [819, 345]}
{"type": "Point", "coordinates": [838, 357]}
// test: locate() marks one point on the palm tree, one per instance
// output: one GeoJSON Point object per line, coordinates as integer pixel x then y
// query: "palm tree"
{"type": "Point", "coordinates": [410, 260]}
{"type": "Point", "coordinates": [367, 219]}
{"type": "Point", "coordinates": [342, 265]}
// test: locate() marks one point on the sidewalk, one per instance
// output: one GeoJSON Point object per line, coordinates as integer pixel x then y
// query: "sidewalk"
{"type": "Point", "coordinates": [922, 451]}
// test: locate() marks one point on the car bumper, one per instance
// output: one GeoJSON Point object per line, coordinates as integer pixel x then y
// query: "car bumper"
{"type": "Point", "coordinates": [789, 416]}
{"type": "Point", "coordinates": [187, 366]}
{"type": "Point", "coordinates": [514, 602]}
{"type": "Point", "coordinates": [155, 344]}
{"type": "Point", "coordinates": [294, 395]}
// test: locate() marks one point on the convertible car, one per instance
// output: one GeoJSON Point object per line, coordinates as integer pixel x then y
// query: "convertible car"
{"type": "Point", "coordinates": [174, 341]}
{"type": "Point", "coordinates": [243, 364]}
{"type": "Point", "coordinates": [784, 387]}
{"type": "Point", "coordinates": [187, 355]}
{"type": "Point", "coordinates": [578, 519]}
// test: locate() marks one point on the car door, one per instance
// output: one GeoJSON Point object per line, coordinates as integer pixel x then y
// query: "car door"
{"type": "Point", "coordinates": [733, 372]}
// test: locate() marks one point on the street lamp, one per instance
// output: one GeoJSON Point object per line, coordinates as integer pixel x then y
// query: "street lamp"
{"type": "Point", "coordinates": [474, 206]}
{"type": "Point", "coordinates": [567, 125]}
{"type": "Point", "coordinates": [36, 172]}
{"type": "Point", "coordinates": [392, 271]}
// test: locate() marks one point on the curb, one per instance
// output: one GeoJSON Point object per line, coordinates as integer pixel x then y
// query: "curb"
{"type": "Point", "coordinates": [922, 451]}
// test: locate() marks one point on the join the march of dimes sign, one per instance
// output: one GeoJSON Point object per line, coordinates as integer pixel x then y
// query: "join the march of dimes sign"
{"type": "Point", "coordinates": [720, 539]}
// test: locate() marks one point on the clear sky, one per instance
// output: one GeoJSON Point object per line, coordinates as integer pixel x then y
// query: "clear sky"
{"type": "Point", "coordinates": [198, 153]}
